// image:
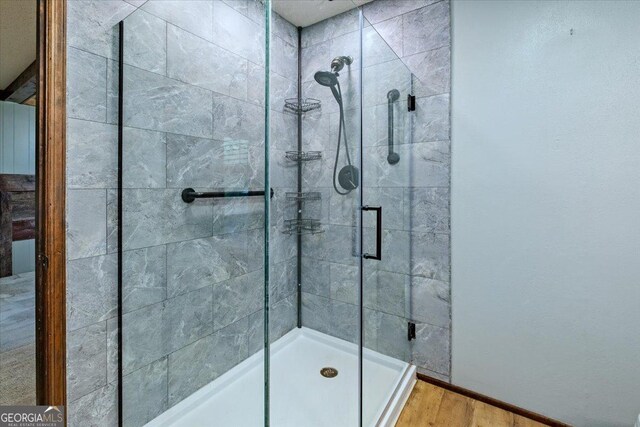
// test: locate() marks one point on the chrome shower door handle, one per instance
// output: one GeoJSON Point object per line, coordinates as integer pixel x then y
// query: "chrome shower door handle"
{"type": "Point", "coordinates": [378, 210]}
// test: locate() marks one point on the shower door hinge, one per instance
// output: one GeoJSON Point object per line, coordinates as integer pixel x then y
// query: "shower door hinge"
{"type": "Point", "coordinates": [412, 331]}
{"type": "Point", "coordinates": [411, 102]}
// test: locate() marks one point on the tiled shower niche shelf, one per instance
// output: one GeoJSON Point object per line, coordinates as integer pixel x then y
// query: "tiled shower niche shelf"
{"type": "Point", "coordinates": [303, 105]}
{"type": "Point", "coordinates": [303, 197]}
{"type": "Point", "coordinates": [302, 226]}
{"type": "Point", "coordinates": [304, 156]}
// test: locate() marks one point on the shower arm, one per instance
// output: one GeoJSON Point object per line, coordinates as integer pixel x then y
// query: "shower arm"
{"type": "Point", "coordinates": [189, 194]}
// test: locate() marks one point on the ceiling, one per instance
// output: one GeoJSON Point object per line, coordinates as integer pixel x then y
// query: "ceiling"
{"type": "Point", "coordinates": [17, 38]}
{"type": "Point", "coordinates": [303, 13]}
{"type": "Point", "coordinates": [18, 27]}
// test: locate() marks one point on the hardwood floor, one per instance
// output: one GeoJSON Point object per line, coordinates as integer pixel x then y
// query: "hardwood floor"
{"type": "Point", "coordinates": [18, 376]}
{"type": "Point", "coordinates": [17, 311]}
{"type": "Point", "coordinates": [432, 406]}
{"type": "Point", "coordinates": [17, 340]}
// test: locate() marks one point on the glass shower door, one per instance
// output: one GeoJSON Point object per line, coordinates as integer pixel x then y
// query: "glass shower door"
{"type": "Point", "coordinates": [192, 214]}
{"type": "Point", "coordinates": [388, 192]}
{"type": "Point", "coordinates": [315, 240]}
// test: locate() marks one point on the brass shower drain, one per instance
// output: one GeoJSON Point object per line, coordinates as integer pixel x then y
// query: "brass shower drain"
{"type": "Point", "coordinates": [328, 372]}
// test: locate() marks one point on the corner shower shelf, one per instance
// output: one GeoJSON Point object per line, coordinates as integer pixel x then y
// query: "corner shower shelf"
{"type": "Point", "coordinates": [302, 105]}
{"type": "Point", "coordinates": [303, 197]}
{"type": "Point", "coordinates": [302, 226]}
{"type": "Point", "coordinates": [303, 155]}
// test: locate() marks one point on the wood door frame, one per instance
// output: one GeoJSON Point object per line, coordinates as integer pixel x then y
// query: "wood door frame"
{"type": "Point", "coordinates": [50, 204]}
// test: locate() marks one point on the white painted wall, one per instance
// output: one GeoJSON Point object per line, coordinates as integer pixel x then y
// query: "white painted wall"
{"type": "Point", "coordinates": [18, 155]}
{"type": "Point", "coordinates": [546, 206]}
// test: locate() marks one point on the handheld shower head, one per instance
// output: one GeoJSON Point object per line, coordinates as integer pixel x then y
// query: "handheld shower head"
{"type": "Point", "coordinates": [330, 80]}
{"type": "Point", "coordinates": [326, 78]}
{"type": "Point", "coordinates": [348, 178]}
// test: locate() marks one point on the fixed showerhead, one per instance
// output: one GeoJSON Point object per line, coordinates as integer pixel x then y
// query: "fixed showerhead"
{"type": "Point", "coordinates": [330, 78]}
{"type": "Point", "coordinates": [339, 62]}
{"type": "Point", "coordinates": [326, 78]}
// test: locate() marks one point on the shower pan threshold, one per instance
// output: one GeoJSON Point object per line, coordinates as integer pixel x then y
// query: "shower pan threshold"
{"type": "Point", "coordinates": [300, 395]}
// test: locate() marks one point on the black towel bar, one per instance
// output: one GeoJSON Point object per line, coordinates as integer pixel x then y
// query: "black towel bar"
{"type": "Point", "coordinates": [189, 194]}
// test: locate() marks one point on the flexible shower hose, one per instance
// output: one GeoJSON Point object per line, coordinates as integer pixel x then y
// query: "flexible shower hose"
{"type": "Point", "coordinates": [341, 126]}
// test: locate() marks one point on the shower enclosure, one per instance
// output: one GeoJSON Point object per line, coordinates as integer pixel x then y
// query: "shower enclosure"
{"type": "Point", "coordinates": [267, 219]}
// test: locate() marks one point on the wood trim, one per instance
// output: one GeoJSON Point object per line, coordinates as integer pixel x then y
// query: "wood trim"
{"type": "Point", "coordinates": [493, 402]}
{"type": "Point", "coordinates": [6, 240]}
{"type": "Point", "coordinates": [30, 101]}
{"type": "Point", "coordinates": [24, 229]}
{"type": "Point", "coordinates": [15, 182]}
{"type": "Point", "coordinates": [50, 204]}
{"type": "Point", "coordinates": [23, 87]}
{"type": "Point", "coordinates": [17, 212]}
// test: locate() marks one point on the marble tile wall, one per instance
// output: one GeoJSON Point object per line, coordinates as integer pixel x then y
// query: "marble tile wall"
{"type": "Point", "coordinates": [194, 73]}
{"type": "Point", "coordinates": [91, 182]}
{"type": "Point", "coordinates": [412, 282]}
{"type": "Point", "coordinates": [194, 79]}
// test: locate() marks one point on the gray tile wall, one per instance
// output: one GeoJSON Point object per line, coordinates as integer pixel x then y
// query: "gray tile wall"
{"type": "Point", "coordinates": [412, 282]}
{"type": "Point", "coordinates": [193, 291]}
{"type": "Point", "coordinates": [418, 32]}
{"type": "Point", "coordinates": [183, 121]}
{"type": "Point", "coordinates": [91, 183]}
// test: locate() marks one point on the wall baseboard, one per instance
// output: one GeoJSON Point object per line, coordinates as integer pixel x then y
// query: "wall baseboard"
{"type": "Point", "coordinates": [493, 402]}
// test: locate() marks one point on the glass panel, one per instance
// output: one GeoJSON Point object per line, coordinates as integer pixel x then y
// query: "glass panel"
{"type": "Point", "coordinates": [18, 123]}
{"type": "Point", "coordinates": [391, 183]}
{"type": "Point", "coordinates": [17, 250]}
{"type": "Point", "coordinates": [17, 338]}
{"type": "Point", "coordinates": [262, 318]}
{"type": "Point", "coordinates": [193, 270]}
{"type": "Point", "coordinates": [315, 231]}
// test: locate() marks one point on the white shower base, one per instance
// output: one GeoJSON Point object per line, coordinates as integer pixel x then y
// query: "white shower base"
{"type": "Point", "coordinates": [300, 396]}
